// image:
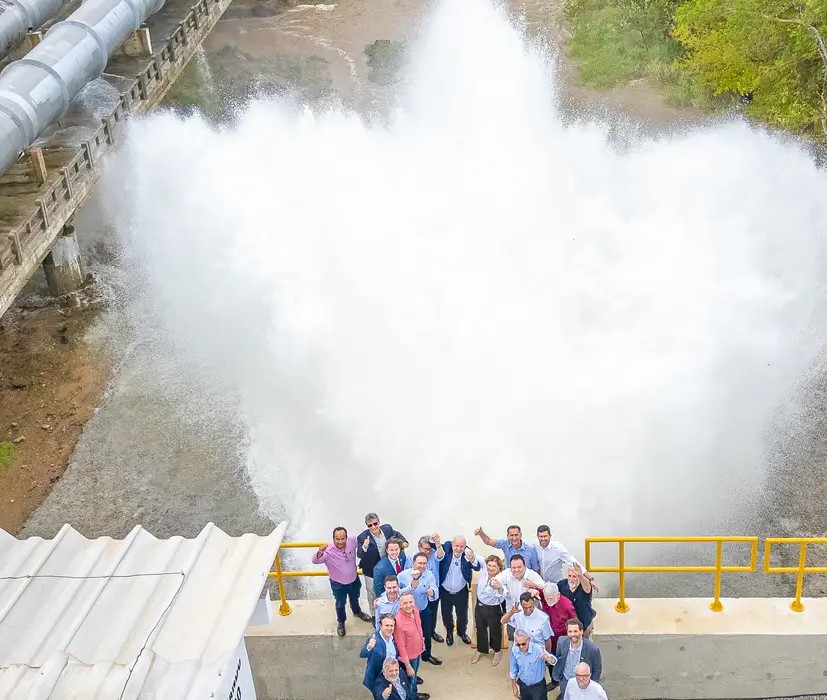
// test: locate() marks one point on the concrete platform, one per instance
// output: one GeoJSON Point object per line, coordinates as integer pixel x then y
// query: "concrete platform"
{"type": "Point", "coordinates": [661, 648]}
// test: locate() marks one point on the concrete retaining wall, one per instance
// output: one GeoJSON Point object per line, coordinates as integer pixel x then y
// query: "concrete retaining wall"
{"type": "Point", "coordinates": [662, 648]}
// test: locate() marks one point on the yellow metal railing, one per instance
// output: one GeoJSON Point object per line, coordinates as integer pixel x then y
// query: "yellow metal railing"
{"type": "Point", "coordinates": [800, 570]}
{"type": "Point", "coordinates": [279, 575]}
{"type": "Point", "coordinates": [717, 568]}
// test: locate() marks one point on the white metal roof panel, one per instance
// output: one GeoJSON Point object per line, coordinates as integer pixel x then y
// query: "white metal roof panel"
{"type": "Point", "coordinates": [127, 619]}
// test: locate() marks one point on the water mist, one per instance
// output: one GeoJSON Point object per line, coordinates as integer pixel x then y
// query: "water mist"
{"type": "Point", "coordinates": [477, 313]}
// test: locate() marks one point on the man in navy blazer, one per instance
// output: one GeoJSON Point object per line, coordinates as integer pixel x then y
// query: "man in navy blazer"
{"type": "Point", "coordinates": [563, 670]}
{"type": "Point", "coordinates": [454, 584]}
{"type": "Point", "coordinates": [393, 682]}
{"type": "Point", "coordinates": [371, 548]}
{"type": "Point", "coordinates": [392, 564]}
{"type": "Point", "coordinates": [375, 650]}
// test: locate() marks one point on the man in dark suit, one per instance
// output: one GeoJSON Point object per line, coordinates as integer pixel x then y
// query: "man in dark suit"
{"type": "Point", "coordinates": [375, 650]}
{"type": "Point", "coordinates": [572, 650]}
{"type": "Point", "coordinates": [394, 683]}
{"type": "Point", "coordinates": [371, 548]}
{"type": "Point", "coordinates": [392, 564]}
{"type": "Point", "coordinates": [454, 584]}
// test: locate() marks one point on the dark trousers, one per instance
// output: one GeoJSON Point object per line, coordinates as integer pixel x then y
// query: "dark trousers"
{"type": "Point", "coordinates": [533, 692]}
{"type": "Point", "coordinates": [487, 619]}
{"type": "Point", "coordinates": [449, 602]}
{"type": "Point", "coordinates": [428, 625]}
{"type": "Point", "coordinates": [343, 591]}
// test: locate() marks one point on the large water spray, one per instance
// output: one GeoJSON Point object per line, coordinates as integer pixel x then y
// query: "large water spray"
{"type": "Point", "coordinates": [477, 313]}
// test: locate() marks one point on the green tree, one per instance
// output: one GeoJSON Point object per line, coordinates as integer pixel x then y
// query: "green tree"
{"type": "Point", "coordinates": [771, 51]}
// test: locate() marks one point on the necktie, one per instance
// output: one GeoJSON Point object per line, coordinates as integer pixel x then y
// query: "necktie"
{"type": "Point", "coordinates": [398, 567]}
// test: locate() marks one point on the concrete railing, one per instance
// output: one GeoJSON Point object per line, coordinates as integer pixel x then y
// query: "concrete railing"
{"type": "Point", "coordinates": [23, 247]}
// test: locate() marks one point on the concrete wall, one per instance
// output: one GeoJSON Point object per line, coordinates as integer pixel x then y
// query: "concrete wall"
{"type": "Point", "coordinates": [662, 648]}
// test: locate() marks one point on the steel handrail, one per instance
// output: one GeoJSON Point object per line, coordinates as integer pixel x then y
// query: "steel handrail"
{"type": "Point", "coordinates": [800, 570]}
{"type": "Point", "coordinates": [279, 575]}
{"type": "Point", "coordinates": [717, 568]}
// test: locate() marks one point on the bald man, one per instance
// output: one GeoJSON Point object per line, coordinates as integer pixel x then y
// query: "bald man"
{"type": "Point", "coordinates": [585, 688]}
{"type": "Point", "coordinates": [455, 570]}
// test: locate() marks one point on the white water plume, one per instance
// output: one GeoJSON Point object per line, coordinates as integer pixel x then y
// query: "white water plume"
{"type": "Point", "coordinates": [478, 314]}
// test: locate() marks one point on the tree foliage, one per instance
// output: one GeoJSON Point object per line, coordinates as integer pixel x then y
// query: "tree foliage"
{"type": "Point", "coordinates": [772, 52]}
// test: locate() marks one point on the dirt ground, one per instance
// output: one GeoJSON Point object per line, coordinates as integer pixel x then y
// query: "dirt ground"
{"type": "Point", "coordinates": [51, 380]}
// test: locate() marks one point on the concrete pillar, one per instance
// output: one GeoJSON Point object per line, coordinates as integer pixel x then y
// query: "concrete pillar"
{"type": "Point", "coordinates": [63, 266]}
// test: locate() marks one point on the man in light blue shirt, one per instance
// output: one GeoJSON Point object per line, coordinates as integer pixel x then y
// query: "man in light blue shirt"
{"type": "Point", "coordinates": [513, 545]}
{"type": "Point", "coordinates": [528, 668]}
{"type": "Point", "coordinates": [421, 582]}
{"type": "Point", "coordinates": [388, 603]}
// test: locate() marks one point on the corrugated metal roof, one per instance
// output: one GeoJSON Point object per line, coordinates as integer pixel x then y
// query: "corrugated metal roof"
{"type": "Point", "coordinates": [109, 619]}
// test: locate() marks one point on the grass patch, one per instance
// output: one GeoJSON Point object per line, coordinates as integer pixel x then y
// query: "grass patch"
{"type": "Point", "coordinates": [6, 453]}
{"type": "Point", "coordinates": [611, 50]}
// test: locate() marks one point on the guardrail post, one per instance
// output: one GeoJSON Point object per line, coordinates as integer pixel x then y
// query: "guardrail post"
{"type": "Point", "coordinates": [797, 605]}
{"type": "Point", "coordinates": [284, 608]}
{"type": "Point", "coordinates": [716, 605]}
{"type": "Point", "coordinates": [621, 606]}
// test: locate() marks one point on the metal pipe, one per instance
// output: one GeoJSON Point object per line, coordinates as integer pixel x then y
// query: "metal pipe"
{"type": "Point", "coordinates": [17, 17]}
{"type": "Point", "coordinates": [36, 90]}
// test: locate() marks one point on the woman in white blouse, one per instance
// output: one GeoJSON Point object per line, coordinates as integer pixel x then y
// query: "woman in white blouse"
{"type": "Point", "coordinates": [488, 611]}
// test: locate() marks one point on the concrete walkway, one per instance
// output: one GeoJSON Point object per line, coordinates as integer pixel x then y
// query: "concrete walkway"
{"type": "Point", "coordinates": [456, 678]}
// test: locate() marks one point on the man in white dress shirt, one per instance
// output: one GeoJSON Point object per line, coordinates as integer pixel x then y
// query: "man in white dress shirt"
{"type": "Point", "coordinates": [553, 555]}
{"type": "Point", "coordinates": [528, 618]}
{"type": "Point", "coordinates": [514, 581]}
{"type": "Point", "coordinates": [585, 688]}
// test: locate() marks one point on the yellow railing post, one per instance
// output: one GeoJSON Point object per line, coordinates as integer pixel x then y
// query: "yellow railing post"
{"type": "Point", "coordinates": [621, 606]}
{"type": "Point", "coordinates": [284, 608]}
{"type": "Point", "coordinates": [716, 605]}
{"type": "Point", "coordinates": [797, 605]}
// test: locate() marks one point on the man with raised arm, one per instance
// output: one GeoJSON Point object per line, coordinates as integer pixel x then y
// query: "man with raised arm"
{"type": "Point", "coordinates": [528, 618]}
{"type": "Point", "coordinates": [454, 585]}
{"type": "Point", "coordinates": [420, 581]}
{"type": "Point", "coordinates": [514, 581]}
{"type": "Point", "coordinates": [432, 548]}
{"type": "Point", "coordinates": [553, 556]}
{"type": "Point", "coordinates": [393, 683]}
{"type": "Point", "coordinates": [376, 649]}
{"type": "Point", "coordinates": [528, 668]}
{"type": "Point", "coordinates": [513, 544]}
{"type": "Point", "coordinates": [372, 548]}
{"type": "Point", "coordinates": [340, 560]}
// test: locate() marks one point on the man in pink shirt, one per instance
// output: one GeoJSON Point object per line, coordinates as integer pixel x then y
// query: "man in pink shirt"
{"type": "Point", "coordinates": [340, 559]}
{"type": "Point", "coordinates": [409, 641]}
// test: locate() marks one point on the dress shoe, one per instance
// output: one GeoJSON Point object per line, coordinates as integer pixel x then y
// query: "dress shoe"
{"type": "Point", "coordinates": [364, 617]}
{"type": "Point", "coordinates": [433, 660]}
{"type": "Point", "coordinates": [419, 681]}
{"type": "Point", "coordinates": [449, 639]}
{"type": "Point", "coordinates": [476, 657]}
{"type": "Point", "coordinates": [497, 658]}
{"type": "Point", "coordinates": [340, 630]}
{"type": "Point", "coordinates": [438, 638]}
{"type": "Point", "coordinates": [423, 696]}
{"type": "Point", "coordinates": [465, 638]}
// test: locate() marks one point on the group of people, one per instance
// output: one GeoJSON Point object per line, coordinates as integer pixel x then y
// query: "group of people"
{"type": "Point", "coordinates": [538, 591]}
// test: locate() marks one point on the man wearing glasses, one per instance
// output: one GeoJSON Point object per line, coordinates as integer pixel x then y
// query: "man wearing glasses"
{"type": "Point", "coordinates": [585, 688]}
{"type": "Point", "coordinates": [572, 650]}
{"type": "Point", "coordinates": [528, 668]}
{"type": "Point", "coordinates": [371, 548]}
